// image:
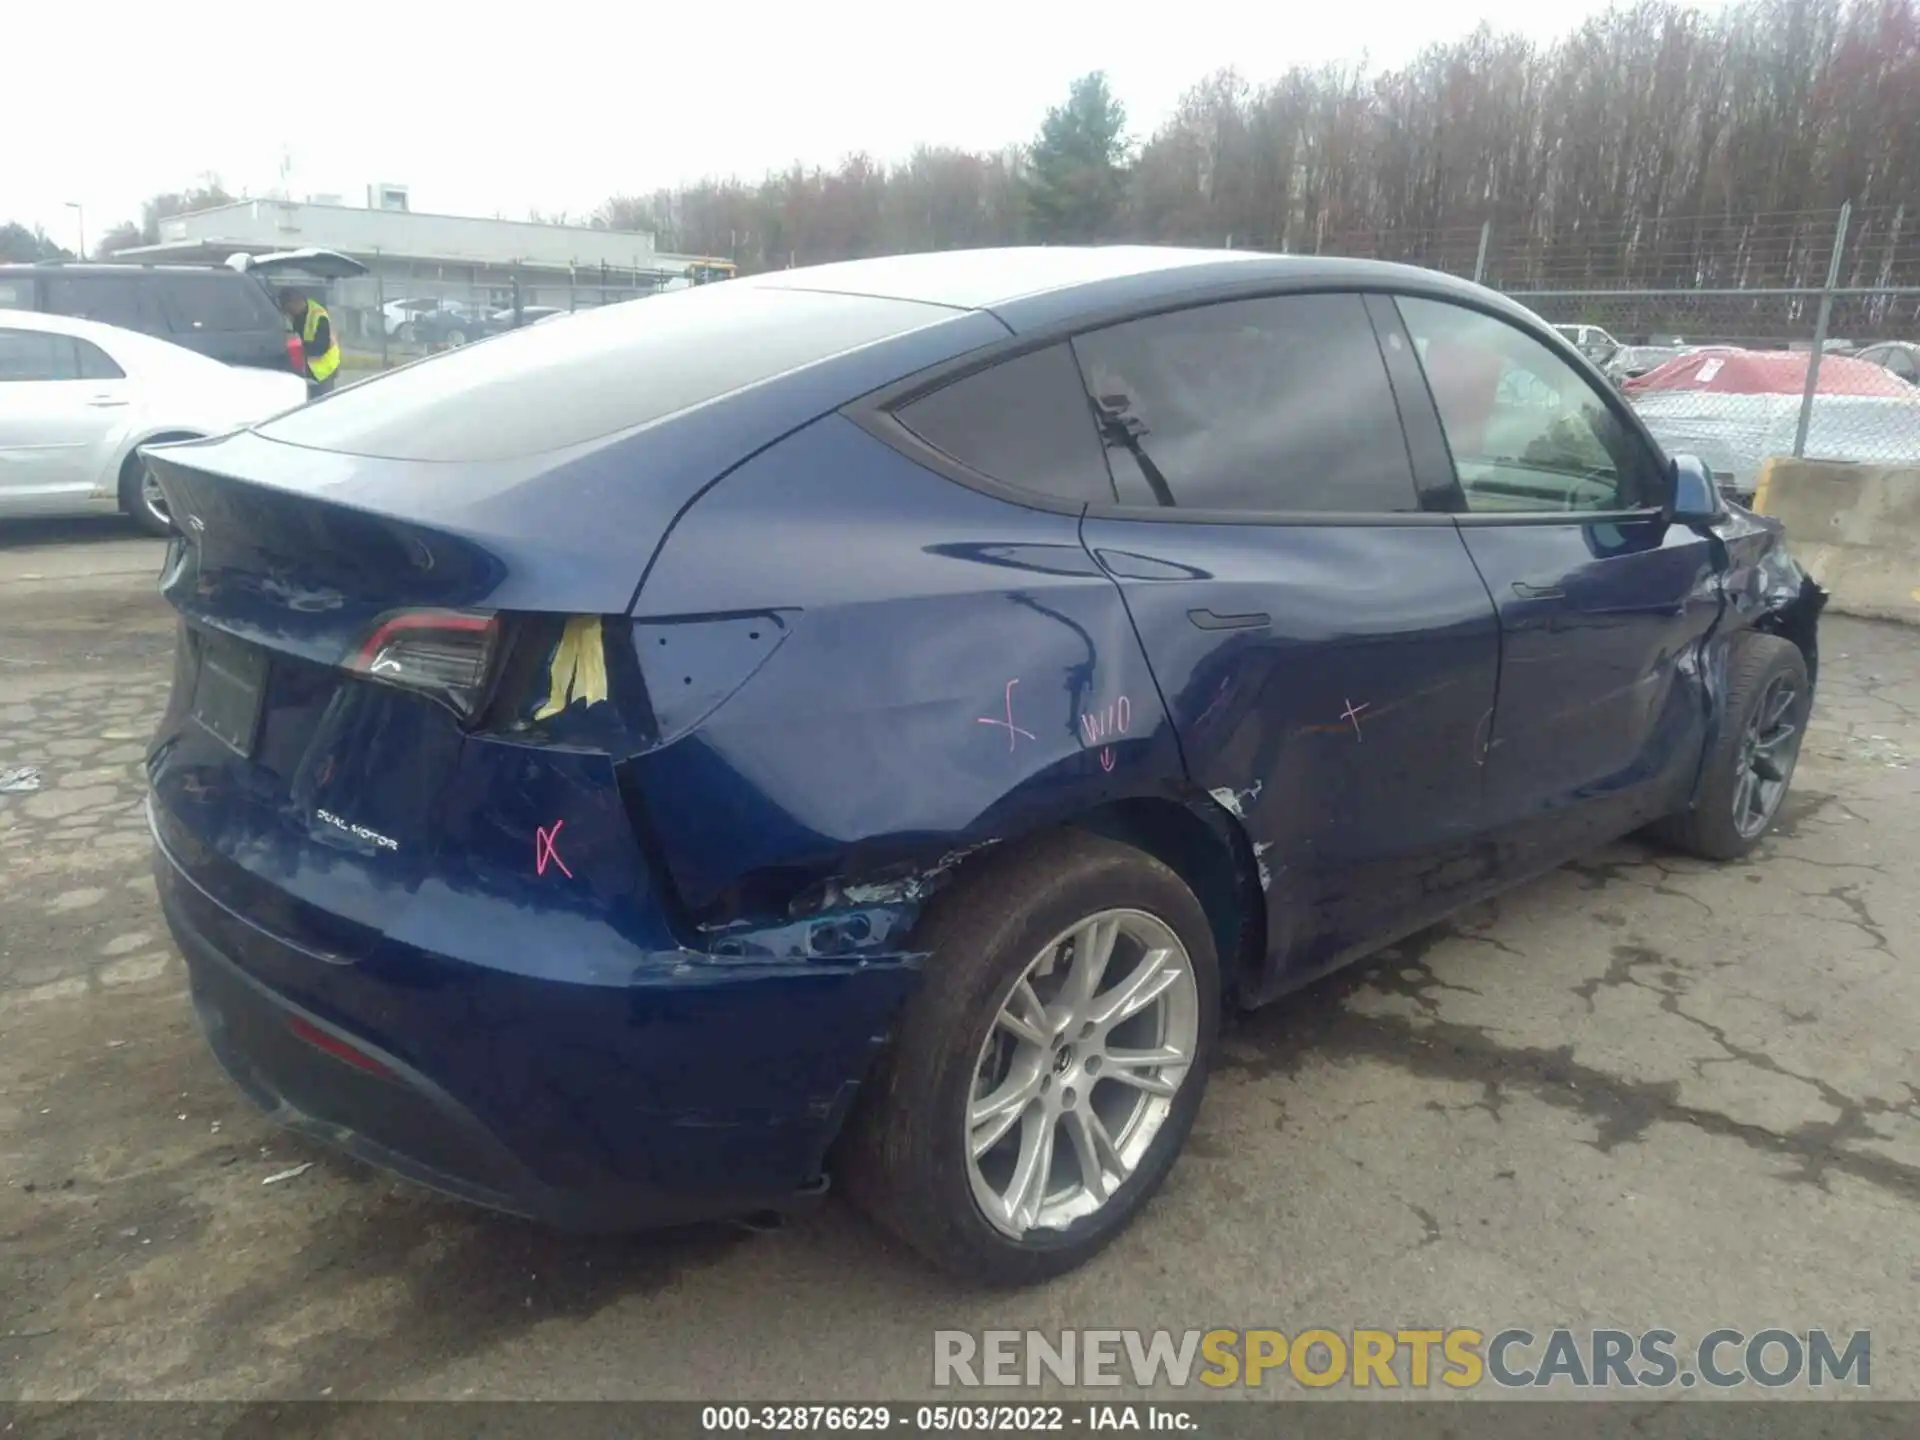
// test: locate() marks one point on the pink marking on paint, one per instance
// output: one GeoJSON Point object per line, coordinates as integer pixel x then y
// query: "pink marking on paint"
{"type": "Point", "coordinates": [1097, 725]}
{"type": "Point", "coordinates": [1106, 758]}
{"type": "Point", "coordinates": [1007, 724]}
{"type": "Point", "coordinates": [1352, 713]}
{"type": "Point", "coordinates": [543, 849]}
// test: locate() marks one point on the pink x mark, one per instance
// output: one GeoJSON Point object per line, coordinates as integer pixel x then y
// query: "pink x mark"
{"type": "Point", "coordinates": [543, 850]}
{"type": "Point", "coordinates": [1007, 724]}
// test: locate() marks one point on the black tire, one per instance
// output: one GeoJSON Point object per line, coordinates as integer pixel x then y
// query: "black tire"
{"type": "Point", "coordinates": [136, 500]}
{"type": "Point", "coordinates": [904, 1160]}
{"type": "Point", "coordinates": [1755, 671]}
{"type": "Point", "coordinates": [406, 335]}
{"type": "Point", "coordinates": [456, 337]}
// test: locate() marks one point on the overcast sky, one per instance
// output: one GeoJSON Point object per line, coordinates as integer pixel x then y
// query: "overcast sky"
{"type": "Point", "coordinates": [502, 107]}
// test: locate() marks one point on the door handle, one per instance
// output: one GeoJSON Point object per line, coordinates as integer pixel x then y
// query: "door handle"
{"type": "Point", "coordinates": [105, 402]}
{"type": "Point", "coordinates": [1209, 620]}
{"type": "Point", "coordinates": [1538, 592]}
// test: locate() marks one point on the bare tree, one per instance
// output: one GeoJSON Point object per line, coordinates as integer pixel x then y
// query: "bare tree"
{"type": "Point", "coordinates": [1655, 146]}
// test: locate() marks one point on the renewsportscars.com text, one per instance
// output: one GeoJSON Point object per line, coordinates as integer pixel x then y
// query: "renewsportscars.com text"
{"type": "Point", "coordinates": [1459, 1358]}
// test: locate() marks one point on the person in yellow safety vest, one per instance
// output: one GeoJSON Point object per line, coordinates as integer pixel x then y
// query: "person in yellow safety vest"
{"type": "Point", "coordinates": [315, 328]}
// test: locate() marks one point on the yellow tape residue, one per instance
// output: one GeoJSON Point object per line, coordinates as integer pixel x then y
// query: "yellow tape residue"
{"type": "Point", "coordinates": [1761, 486]}
{"type": "Point", "coordinates": [578, 670]}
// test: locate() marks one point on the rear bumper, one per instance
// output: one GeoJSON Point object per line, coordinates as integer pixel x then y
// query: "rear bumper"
{"type": "Point", "coordinates": [646, 1169]}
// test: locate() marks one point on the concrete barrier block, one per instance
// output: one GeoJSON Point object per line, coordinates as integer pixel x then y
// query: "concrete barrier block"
{"type": "Point", "coordinates": [1856, 527]}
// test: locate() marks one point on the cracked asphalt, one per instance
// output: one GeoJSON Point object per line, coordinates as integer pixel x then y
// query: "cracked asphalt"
{"type": "Point", "coordinates": [1642, 1091]}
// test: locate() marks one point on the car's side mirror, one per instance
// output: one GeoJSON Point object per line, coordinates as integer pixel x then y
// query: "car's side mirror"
{"type": "Point", "coordinates": [1693, 498]}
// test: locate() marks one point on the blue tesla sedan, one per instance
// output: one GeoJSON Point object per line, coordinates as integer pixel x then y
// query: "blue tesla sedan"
{"type": "Point", "coordinates": [869, 721]}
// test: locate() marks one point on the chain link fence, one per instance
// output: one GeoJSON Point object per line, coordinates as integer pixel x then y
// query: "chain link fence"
{"type": "Point", "coordinates": [1736, 379]}
{"type": "Point", "coordinates": [399, 313]}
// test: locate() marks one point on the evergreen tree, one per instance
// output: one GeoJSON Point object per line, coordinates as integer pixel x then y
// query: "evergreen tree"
{"type": "Point", "coordinates": [1076, 182]}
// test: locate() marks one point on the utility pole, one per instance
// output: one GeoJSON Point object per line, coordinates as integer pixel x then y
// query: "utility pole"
{"type": "Point", "coordinates": [1820, 333]}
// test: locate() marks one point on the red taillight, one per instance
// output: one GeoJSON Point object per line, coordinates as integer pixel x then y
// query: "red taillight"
{"type": "Point", "coordinates": [296, 354]}
{"type": "Point", "coordinates": [447, 655]}
{"type": "Point", "coordinates": [338, 1048]}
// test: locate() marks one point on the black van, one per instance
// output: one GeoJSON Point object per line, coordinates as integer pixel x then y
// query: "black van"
{"type": "Point", "coordinates": [226, 312]}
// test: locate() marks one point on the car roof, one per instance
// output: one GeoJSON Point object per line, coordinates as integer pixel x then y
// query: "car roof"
{"type": "Point", "coordinates": [95, 330]}
{"type": "Point", "coordinates": [1032, 286]}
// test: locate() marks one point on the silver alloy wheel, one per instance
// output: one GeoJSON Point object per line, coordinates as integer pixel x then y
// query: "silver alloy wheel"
{"type": "Point", "coordinates": [1092, 1041]}
{"type": "Point", "coordinates": [153, 497]}
{"type": "Point", "coordinates": [1767, 754]}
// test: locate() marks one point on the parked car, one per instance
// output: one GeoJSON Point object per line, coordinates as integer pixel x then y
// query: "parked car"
{"type": "Point", "coordinates": [225, 312]}
{"type": "Point", "coordinates": [79, 399]}
{"type": "Point", "coordinates": [1902, 357]}
{"type": "Point", "coordinates": [529, 315]}
{"type": "Point", "coordinates": [1735, 408]}
{"type": "Point", "coordinates": [870, 720]}
{"type": "Point", "coordinates": [1591, 341]}
{"type": "Point", "coordinates": [396, 314]}
{"type": "Point", "coordinates": [452, 323]}
{"type": "Point", "coordinates": [1630, 361]}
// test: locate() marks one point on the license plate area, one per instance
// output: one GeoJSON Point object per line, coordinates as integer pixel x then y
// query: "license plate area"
{"type": "Point", "coordinates": [228, 691]}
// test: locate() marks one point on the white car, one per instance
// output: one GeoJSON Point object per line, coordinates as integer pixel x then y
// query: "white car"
{"type": "Point", "coordinates": [1591, 341]}
{"type": "Point", "coordinates": [78, 399]}
{"type": "Point", "coordinates": [397, 313]}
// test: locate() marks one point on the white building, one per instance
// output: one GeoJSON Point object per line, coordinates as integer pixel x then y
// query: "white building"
{"type": "Point", "coordinates": [412, 255]}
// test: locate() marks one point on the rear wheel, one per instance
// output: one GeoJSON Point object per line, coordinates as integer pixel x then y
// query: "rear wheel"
{"type": "Point", "coordinates": [1044, 1079]}
{"type": "Point", "coordinates": [456, 337]}
{"type": "Point", "coordinates": [1751, 764]}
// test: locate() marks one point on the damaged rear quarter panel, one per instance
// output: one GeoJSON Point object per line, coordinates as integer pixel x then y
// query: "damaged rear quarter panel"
{"type": "Point", "coordinates": [1767, 590]}
{"type": "Point", "coordinates": [953, 670]}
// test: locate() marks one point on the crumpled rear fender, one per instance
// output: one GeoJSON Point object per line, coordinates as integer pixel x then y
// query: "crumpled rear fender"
{"type": "Point", "coordinates": [1767, 591]}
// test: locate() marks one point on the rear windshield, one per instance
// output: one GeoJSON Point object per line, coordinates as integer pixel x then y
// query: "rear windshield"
{"type": "Point", "coordinates": [567, 381]}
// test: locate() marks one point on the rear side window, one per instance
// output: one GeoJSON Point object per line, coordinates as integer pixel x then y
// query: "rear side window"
{"type": "Point", "coordinates": [1279, 404]}
{"type": "Point", "coordinates": [110, 299]}
{"type": "Point", "coordinates": [1025, 421]}
{"type": "Point", "coordinates": [544, 387]}
{"type": "Point", "coordinates": [214, 303]}
{"type": "Point", "coordinates": [93, 363]}
{"type": "Point", "coordinates": [16, 292]}
{"type": "Point", "coordinates": [34, 355]}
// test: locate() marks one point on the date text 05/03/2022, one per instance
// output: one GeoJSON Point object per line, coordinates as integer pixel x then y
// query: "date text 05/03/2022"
{"type": "Point", "coordinates": [924, 1419]}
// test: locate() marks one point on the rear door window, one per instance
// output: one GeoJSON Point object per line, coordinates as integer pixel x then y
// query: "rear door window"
{"type": "Point", "coordinates": [16, 292]}
{"type": "Point", "coordinates": [1025, 422]}
{"type": "Point", "coordinates": [110, 299]}
{"type": "Point", "coordinates": [214, 303]}
{"type": "Point", "coordinates": [28, 355]}
{"type": "Point", "coordinates": [93, 363]}
{"type": "Point", "coordinates": [1268, 406]}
